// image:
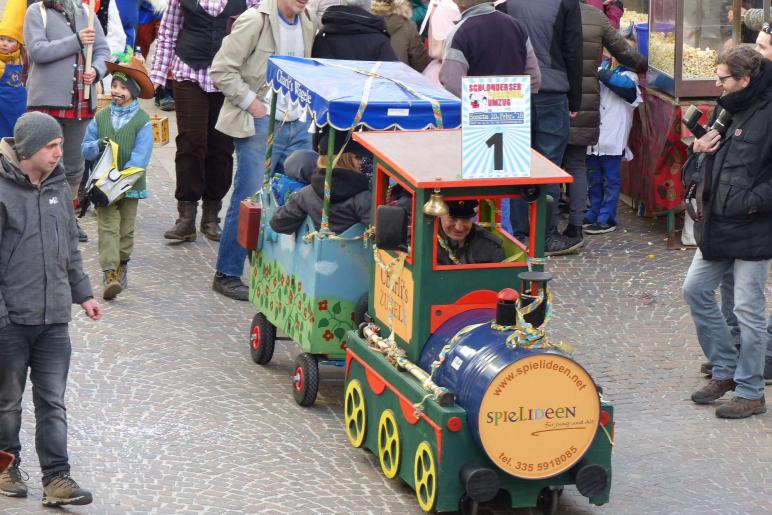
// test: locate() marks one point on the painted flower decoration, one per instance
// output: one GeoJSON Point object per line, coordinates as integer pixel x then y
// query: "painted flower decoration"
{"type": "Point", "coordinates": [323, 305]}
{"type": "Point", "coordinates": [327, 335]}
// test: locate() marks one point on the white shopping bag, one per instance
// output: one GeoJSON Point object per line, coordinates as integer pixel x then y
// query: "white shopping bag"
{"type": "Point", "coordinates": [106, 184]}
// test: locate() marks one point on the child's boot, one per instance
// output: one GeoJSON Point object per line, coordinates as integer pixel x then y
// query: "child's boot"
{"type": "Point", "coordinates": [111, 285]}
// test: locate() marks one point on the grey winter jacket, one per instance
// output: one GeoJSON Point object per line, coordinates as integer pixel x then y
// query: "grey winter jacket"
{"type": "Point", "coordinates": [41, 273]}
{"type": "Point", "coordinates": [349, 203]}
{"type": "Point", "coordinates": [555, 30]}
{"type": "Point", "coordinates": [53, 51]}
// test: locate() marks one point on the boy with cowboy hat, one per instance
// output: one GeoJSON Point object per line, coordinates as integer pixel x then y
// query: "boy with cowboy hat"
{"type": "Point", "coordinates": [124, 123]}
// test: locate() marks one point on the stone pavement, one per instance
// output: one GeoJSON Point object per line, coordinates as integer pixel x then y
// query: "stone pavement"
{"type": "Point", "coordinates": [169, 415]}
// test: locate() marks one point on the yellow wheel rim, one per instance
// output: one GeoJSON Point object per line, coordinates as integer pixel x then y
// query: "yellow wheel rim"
{"type": "Point", "coordinates": [425, 475]}
{"type": "Point", "coordinates": [355, 415]}
{"type": "Point", "coordinates": [388, 444]}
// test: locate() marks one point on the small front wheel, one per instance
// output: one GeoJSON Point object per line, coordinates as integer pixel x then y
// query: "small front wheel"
{"type": "Point", "coordinates": [547, 503]}
{"type": "Point", "coordinates": [305, 380]}
{"type": "Point", "coordinates": [262, 339]}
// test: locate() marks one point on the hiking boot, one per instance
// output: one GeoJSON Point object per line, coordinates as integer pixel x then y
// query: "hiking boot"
{"type": "Point", "coordinates": [599, 228]}
{"type": "Point", "coordinates": [715, 389]}
{"type": "Point", "coordinates": [230, 286]}
{"type": "Point", "coordinates": [123, 275]}
{"type": "Point", "coordinates": [560, 244]}
{"type": "Point", "coordinates": [740, 407]}
{"type": "Point", "coordinates": [210, 221]}
{"type": "Point", "coordinates": [185, 227]}
{"type": "Point", "coordinates": [82, 236]}
{"type": "Point", "coordinates": [587, 222]}
{"type": "Point", "coordinates": [111, 285]}
{"type": "Point", "coordinates": [707, 369]}
{"type": "Point", "coordinates": [12, 482]}
{"type": "Point", "coordinates": [62, 489]}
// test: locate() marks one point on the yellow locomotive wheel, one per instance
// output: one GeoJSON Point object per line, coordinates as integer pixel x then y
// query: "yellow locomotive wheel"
{"type": "Point", "coordinates": [355, 416]}
{"type": "Point", "coordinates": [388, 444]}
{"type": "Point", "coordinates": [425, 476]}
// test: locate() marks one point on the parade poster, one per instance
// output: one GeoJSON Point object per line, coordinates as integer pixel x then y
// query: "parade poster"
{"type": "Point", "coordinates": [496, 127]}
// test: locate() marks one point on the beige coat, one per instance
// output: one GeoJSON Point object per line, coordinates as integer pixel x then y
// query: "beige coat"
{"type": "Point", "coordinates": [238, 69]}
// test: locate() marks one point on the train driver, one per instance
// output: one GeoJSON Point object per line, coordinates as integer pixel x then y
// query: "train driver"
{"type": "Point", "coordinates": [461, 241]}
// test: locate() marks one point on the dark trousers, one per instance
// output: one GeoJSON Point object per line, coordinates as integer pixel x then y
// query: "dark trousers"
{"type": "Point", "coordinates": [575, 163]}
{"type": "Point", "coordinates": [204, 159]}
{"type": "Point", "coordinates": [549, 136]}
{"type": "Point", "coordinates": [44, 350]}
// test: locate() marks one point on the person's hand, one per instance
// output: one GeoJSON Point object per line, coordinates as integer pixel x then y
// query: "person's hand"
{"type": "Point", "coordinates": [708, 143]}
{"type": "Point", "coordinates": [93, 309]}
{"type": "Point", "coordinates": [89, 77]}
{"type": "Point", "coordinates": [102, 143]}
{"type": "Point", "coordinates": [87, 36]}
{"type": "Point", "coordinates": [572, 114]}
{"type": "Point", "coordinates": [257, 108]}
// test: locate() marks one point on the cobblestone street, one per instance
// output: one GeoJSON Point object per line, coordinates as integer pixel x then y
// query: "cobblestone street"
{"type": "Point", "coordinates": [168, 414]}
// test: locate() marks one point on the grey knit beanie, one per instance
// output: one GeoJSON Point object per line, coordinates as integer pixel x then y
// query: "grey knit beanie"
{"type": "Point", "coordinates": [32, 132]}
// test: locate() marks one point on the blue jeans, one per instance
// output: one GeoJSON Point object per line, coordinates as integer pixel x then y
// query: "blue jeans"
{"type": "Point", "coordinates": [727, 309]}
{"type": "Point", "coordinates": [250, 171]}
{"type": "Point", "coordinates": [549, 136]}
{"type": "Point", "coordinates": [44, 350]}
{"type": "Point", "coordinates": [713, 332]}
{"type": "Point", "coordinates": [605, 184]}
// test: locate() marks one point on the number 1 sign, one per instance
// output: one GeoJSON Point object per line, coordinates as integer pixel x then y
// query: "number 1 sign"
{"type": "Point", "coordinates": [496, 127]}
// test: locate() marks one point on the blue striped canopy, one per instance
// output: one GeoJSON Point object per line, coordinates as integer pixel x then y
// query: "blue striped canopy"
{"type": "Point", "coordinates": [378, 95]}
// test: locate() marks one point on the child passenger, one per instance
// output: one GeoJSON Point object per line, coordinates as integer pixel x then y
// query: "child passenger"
{"type": "Point", "coordinates": [619, 96]}
{"type": "Point", "coordinates": [13, 95]}
{"type": "Point", "coordinates": [124, 123]}
{"type": "Point", "coordinates": [350, 192]}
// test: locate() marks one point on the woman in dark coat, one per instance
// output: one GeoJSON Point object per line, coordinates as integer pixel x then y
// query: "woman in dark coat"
{"type": "Point", "coordinates": [404, 36]}
{"type": "Point", "coordinates": [350, 192]}
{"type": "Point", "coordinates": [351, 32]}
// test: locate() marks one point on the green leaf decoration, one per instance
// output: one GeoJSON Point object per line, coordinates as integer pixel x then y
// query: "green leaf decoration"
{"type": "Point", "coordinates": [324, 322]}
{"type": "Point", "coordinates": [336, 308]}
{"type": "Point", "coordinates": [339, 333]}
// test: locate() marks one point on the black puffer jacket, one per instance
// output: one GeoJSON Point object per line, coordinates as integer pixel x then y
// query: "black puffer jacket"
{"type": "Point", "coordinates": [349, 203]}
{"type": "Point", "coordinates": [352, 33]}
{"type": "Point", "coordinates": [738, 186]}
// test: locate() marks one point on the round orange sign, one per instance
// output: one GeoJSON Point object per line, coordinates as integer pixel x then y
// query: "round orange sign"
{"type": "Point", "coordinates": [539, 416]}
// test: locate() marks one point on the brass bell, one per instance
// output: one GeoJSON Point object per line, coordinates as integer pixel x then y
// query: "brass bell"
{"type": "Point", "coordinates": [436, 205]}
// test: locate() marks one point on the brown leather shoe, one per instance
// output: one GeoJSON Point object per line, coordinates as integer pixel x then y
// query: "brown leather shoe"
{"type": "Point", "coordinates": [740, 407]}
{"type": "Point", "coordinates": [715, 389]}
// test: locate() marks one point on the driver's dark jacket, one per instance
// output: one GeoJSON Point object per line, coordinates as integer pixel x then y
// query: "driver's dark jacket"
{"type": "Point", "coordinates": [479, 247]}
{"type": "Point", "coordinates": [737, 198]}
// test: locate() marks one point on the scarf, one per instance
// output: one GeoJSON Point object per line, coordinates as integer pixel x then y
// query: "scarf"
{"type": "Point", "coordinates": [11, 58]}
{"type": "Point", "coordinates": [120, 116]}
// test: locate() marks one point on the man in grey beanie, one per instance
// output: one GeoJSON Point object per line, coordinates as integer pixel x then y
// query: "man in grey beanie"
{"type": "Point", "coordinates": [42, 275]}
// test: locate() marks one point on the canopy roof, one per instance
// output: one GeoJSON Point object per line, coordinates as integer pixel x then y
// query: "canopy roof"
{"type": "Point", "coordinates": [379, 95]}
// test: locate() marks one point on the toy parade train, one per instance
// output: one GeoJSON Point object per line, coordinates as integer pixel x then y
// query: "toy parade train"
{"type": "Point", "coordinates": [451, 381]}
{"type": "Point", "coordinates": [454, 387]}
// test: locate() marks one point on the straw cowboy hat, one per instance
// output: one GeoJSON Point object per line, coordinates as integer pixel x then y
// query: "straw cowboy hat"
{"type": "Point", "coordinates": [135, 71]}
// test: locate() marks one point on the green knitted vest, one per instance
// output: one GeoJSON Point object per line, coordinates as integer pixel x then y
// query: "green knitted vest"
{"type": "Point", "coordinates": [125, 138]}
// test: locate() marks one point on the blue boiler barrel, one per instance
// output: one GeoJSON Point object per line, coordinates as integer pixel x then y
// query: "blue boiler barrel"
{"type": "Point", "coordinates": [475, 360]}
{"type": "Point", "coordinates": [534, 412]}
